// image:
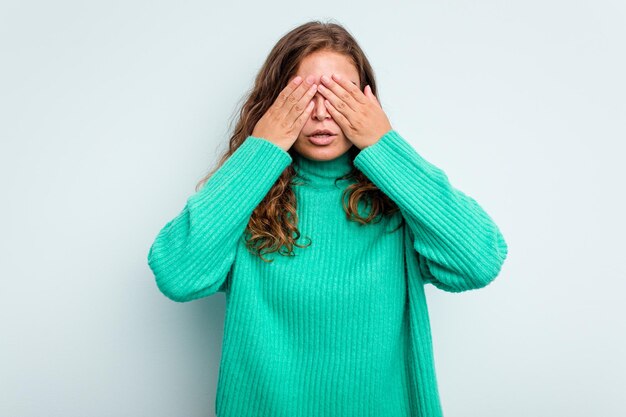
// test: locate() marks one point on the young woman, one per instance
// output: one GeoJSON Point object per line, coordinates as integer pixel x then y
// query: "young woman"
{"type": "Point", "coordinates": [322, 225]}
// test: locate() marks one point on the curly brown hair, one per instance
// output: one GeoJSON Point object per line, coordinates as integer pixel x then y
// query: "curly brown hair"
{"type": "Point", "coordinates": [273, 225]}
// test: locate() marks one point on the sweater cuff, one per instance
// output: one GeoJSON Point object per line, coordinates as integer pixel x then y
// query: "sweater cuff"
{"type": "Point", "coordinates": [391, 150]}
{"type": "Point", "coordinates": [267, 152]}
{"type": "Point", "coordinates": [255, 161]}
{"type": "Point", "coordinates": [246, 176]}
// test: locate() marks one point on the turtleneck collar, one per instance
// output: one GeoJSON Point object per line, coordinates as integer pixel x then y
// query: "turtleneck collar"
{"type": "Point", "coordinates": [322, 173]}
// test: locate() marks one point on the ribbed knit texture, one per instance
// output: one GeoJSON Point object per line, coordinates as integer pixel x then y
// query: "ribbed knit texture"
{"type": "Point", "coordinates": [342, 328]}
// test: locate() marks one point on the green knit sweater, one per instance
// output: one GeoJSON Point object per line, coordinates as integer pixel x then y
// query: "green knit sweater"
{"type": "Point", "coordinates": [342, 328]}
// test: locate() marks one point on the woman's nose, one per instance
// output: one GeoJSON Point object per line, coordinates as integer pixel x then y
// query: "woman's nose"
{"type": "Point", "coordinates": [319, 111]}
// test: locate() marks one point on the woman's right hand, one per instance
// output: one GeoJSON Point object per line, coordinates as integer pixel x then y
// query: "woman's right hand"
{"type": "Point", "coordinates": [282, 122]}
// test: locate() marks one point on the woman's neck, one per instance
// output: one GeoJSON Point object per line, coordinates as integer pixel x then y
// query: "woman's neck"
{"type": "Point", "coordinates": [322, 173]}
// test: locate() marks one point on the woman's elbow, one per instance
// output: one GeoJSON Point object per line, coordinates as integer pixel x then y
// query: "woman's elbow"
{"type": "Point", "coordinates": [183, 284]}
{"type": "Point", "coordinates": [492, 264]}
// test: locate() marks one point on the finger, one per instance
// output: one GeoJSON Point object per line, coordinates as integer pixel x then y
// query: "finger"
{"type": "Point", "coordinates": [370, 95]}
{"type": "Point", "coordinates": [296, 95]}
{"type": "Point", "coordinates": [341, 120]}
{"type": "Point", "coordinates": [351, 88]}
{"type": "Point", "coordinates": [301, 105]}
{"type": "Point", "coordinates": [337, 102]}
{"type": "Point", "coordinates": [332, 88]}
{"type": "Point", "coordinates": [301, 120]}
{"type": "Point", "coordinates": [287, 91]}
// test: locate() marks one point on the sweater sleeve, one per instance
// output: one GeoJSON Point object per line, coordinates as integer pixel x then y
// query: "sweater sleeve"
{"type": "Point", "coordinates": [192, 254]}
{"type": "Point", "coordinates": [459, 246]}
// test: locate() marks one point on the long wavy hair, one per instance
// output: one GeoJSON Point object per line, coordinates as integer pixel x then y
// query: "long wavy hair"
{"type": "Point", "coordinates": [273, 225]}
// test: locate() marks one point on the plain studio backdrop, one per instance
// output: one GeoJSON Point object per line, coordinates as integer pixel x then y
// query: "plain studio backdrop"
{"type": "Point", "coordinates": [111, 112]}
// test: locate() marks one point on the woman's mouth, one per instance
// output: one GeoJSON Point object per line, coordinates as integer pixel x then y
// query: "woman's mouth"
{"type": "Point", "coordinates": [322, 139]}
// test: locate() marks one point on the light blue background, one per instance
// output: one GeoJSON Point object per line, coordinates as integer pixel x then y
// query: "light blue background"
{"type": "Point", "coordinates": [112, 111]}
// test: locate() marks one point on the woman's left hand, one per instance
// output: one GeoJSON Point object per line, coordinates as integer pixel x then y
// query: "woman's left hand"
{"type": "Point", "coordinates": [360, 116]}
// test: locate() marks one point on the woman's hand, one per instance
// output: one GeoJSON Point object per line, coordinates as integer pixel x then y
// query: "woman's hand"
{"type": "Point", "coordinates": [282, 122]}
{"type": "Point", "coordinates": [360, 116]}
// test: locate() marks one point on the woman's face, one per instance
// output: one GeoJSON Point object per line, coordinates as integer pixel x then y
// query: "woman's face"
{"type": "Point", "coordinates": [318, 64]}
